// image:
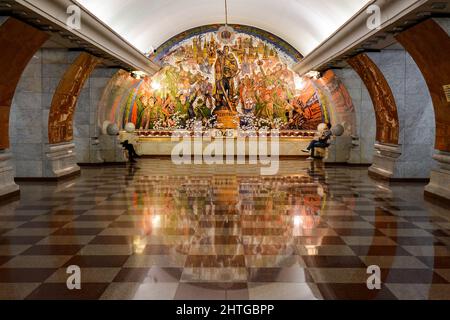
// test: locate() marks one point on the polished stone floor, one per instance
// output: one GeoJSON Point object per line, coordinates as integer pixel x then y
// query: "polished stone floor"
{"type": "Point", "coordinates": [160, 231]}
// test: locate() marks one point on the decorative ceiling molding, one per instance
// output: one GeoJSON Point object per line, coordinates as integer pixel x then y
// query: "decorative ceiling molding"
{"type": "Point", "coordinates": [355, 32]}
{"type": "Point", "coordinates": [93, 31]}
{"type": "Point", "coordinates": [147, 24]}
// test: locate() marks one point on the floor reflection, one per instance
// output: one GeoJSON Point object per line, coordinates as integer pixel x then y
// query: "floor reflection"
{"type": "Point", "coordinates": [160, 231]}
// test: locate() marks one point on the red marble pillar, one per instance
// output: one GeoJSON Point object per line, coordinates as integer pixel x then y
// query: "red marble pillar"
{"type": "Point", "coordinates": [62, 110]}
{"type": "Point", "coordinates": [429, 46]}
{"type": "Point", "coordinates": [387, 122]}
{"type": "Point", "coordinates": [18, 43]}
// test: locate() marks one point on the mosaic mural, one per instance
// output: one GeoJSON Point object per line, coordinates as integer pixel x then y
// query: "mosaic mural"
{"type": "Point", "coordinates": [247, 82]}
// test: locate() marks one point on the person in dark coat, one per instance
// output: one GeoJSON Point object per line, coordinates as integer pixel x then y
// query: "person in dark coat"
{"type": "Point", "coordinates": [131, 151]}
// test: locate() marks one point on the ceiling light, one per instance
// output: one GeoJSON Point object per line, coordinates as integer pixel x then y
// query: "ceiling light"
{"type": "Point", "coordinates": [226, 33]}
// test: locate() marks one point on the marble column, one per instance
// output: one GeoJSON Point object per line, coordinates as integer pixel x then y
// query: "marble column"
{"type": "Point", "coordinates": [361, 151]}
{"type": "Point", "coordinates": [18, 42]}
{"type": "Point", "coordinates": [415, 113]}
{"type": "Point", "coordinates": [50, 77]}
{"type": "Point", "coordinates": [387, 123]}
{"type": "Point", "coordinates": [86, 128]}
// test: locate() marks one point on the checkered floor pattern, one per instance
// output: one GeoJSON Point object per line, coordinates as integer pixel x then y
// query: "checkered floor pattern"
{"type": "Point", "coordinates": [161, 231]}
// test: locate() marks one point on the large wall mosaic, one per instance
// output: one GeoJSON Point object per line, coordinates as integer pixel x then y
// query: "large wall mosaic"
{"type": "Point", "coordinates": [246, 81]}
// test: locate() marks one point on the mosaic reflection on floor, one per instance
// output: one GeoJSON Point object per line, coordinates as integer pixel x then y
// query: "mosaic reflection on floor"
{"type": "Point", "coordinates": [158, 231]}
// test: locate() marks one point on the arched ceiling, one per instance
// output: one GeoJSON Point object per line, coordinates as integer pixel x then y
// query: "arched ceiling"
{"type": "Point", "coordinates": [147, 24]}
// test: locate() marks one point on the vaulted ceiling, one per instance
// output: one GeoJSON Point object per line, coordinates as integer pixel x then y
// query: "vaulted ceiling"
{"type": "Point", "coordinates": [147, 24]}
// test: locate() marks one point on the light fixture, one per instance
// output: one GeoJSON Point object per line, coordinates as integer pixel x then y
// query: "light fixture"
{"type": "Point", "coordinates": [226, 33]}
{"type": "Point", "coordinates": [300, 83]}
{"type": "Point", "coordinates": [314, 75]}
{"type": "Point", "coordinates": [298, 221]}
{"type": "Point", "coordinates": [138, 74]}
{"type": "Point", "coordinates": [156, 85]}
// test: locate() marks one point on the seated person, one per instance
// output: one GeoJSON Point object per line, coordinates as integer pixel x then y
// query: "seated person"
{"type": "Point", "coordinates": [319, 142]}
{"type": "Point", "coordinates": [131, 151]}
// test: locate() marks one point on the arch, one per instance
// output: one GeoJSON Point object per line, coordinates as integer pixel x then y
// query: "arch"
{"type": "Point", "coordinates": [189, 53]}
{"type": "Point", "coordinates": [429, 45]}
{"type": "Point", "coordinates": [387, 122]}
{"type": "Point", "coordinates": [274, 40]}
{"type": "Point", "coordinates": [60, 121]}
{"type": "Point", "coordinates": [19, 42]}
{"type": "Point", "coordinates": [146, 24]}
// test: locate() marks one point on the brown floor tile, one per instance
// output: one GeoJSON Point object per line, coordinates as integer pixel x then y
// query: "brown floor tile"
{"type": "Point", "coordinates": [417, 241]}
{"type": "Point", "coordinates": [211, 291]}
{"type": "Point", "coordinates": [358, 232]}
{"type": "Point", "coordinates": [294, 274]}
{"type": "Point", "coordinates": [88, 275]}
{"type": "Point", "coordinates": [333, 262]}
{"type": "Point", "coordinates": [154, 274]}
{"type": "Point", "coordinates": [417, 276]}
{"type": "Point", "coordinates": [436, 262]}
{"type": "Point", "coordinates": [379, 251]}
{"type": "Point", "coordinates": [4, 259]}
{"type": "Point", "coordinates": [255, 250]}
{"type": "Point", "coordinates": [77, 231]}
{"type": "Point", "coordinates": [118, 240]}
{"type": "Point", "coordinates": [283, 291]}
{"type": "Point", "coordinates": [16, 291]}
{"type": "Point", "coordinates": [21, 275]}
{"type": "Point", "coordinates": [140, 291]}
{"type": "Point", "coordinates": [327, 240]}
{"type": "Point", "coordinates": [269, 250]}
{"type": "Point", "coordinates": [393, 225]}
{"type": "Point", "coordinates": [351, 291]}
{"type": "Point", "coordinates": [95, 218]}
{"type": "Point", "coordinates": [57, 250]}
{"type": "Point", "coordinates": [15, 240]}
{"type": "Point", "coordinates": [57, 291]}
{"type": "Point", "coordinates": [44, 224]}
{"type": "Point", "coordinates": [97, 261]}
{"type": "Point", "coordinates": [214, 261]}
{"type": "Point", "coordinates": [160, 250]}
{"type": "Point", "coordinates": [222, 240]}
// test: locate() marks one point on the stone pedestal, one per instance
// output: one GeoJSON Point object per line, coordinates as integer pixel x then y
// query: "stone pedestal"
{"type": "Point", "coordinates": [8, 188]}
{"type": "Point", "coordinates": [339, 150]}
{"type": "Point", "coordinates": [227, 119]}
{"type": "Point", "coordinates": [60, 161]}
{"type": "Point", "coordinates": [96, 151]}
{"type": "Point", "coordinates": [386, 161]}
{"type": "Point", "coordinates": [439, 185]}
{"type": "Point", "coordinates": [355, 151]}
{"type": "Point", "coordinates": [111, 149]}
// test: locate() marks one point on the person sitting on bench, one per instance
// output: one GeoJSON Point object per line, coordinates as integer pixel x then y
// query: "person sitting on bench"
{"type": "Point", "coordinates": [131, 151]}
{"type": "Point", "coordinates": [320, 142]}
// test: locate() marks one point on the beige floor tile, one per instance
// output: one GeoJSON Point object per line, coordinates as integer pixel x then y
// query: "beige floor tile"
{"type": "Point", "coordinates": [394, 262]}
{"type": "Point", "coordinates": [145, 291]}
{"type": "Point", "coordinates": [145, 261]}
{"type": "Point", "coordinates": [339, 275]}
{"type": "Point", "coordinates": [284, 291]}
